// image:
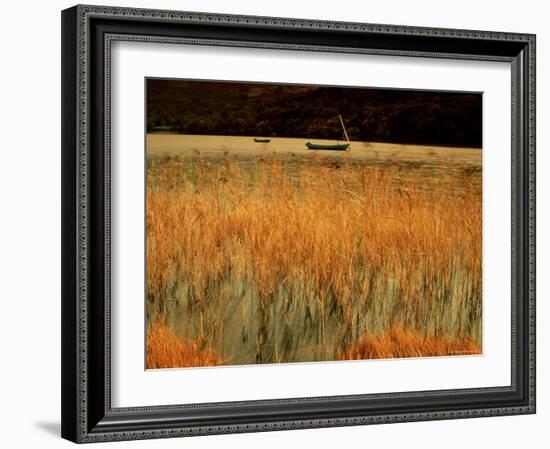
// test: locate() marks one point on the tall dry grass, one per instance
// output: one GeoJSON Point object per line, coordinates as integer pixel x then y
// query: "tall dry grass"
{"type": "Point", "coordinates": [402, 343]}
{"type": "Point", "coordinates": [288, 258]}
{"type": "Point", "coordinates": [166, 350]}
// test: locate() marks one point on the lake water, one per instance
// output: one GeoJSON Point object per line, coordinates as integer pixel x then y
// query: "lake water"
{"type": "Point", "coordinates": [180, 144]}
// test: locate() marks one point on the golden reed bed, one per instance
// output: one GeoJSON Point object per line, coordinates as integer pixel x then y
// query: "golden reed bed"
{"type": "Point", "coordinates": [166, 350]}
{"type": "Point", "coordinates": [283, 258]}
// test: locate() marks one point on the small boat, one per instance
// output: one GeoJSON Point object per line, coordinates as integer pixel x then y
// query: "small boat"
{"type": "Point", "coordinates": [335, 147]}
{"type": "Point", "coordinates": [261, 140]}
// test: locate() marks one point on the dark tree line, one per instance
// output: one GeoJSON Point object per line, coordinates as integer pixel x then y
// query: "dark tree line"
{"type": "Point", "coordinates": [382, 115]}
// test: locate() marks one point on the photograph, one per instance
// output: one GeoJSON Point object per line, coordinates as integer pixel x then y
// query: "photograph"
{"type": "Point", "coordinates": [310, 223]}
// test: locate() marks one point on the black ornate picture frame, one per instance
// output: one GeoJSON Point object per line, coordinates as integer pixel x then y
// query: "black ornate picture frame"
{"type": "Point", "coordinates": [87, 34]}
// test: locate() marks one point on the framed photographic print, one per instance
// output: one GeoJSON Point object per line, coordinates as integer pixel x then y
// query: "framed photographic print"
{"type": "Point", "coordinates": [276, 224]}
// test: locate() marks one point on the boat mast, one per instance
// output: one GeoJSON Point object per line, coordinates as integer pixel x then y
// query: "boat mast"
{"type": "Point", "coordinates": [343, 127]}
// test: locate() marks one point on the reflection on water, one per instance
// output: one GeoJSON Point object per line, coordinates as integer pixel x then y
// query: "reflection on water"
{"type": "Point", "coordinates": [286, 326]}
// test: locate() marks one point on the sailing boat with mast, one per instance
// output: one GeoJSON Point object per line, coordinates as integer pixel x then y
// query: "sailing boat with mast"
{"type": "Point", "coordinates": [334, 147]}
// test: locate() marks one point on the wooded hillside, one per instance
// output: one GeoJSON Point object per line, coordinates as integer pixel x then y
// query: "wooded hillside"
{"type": "Point", "coordinates": [380, 115]}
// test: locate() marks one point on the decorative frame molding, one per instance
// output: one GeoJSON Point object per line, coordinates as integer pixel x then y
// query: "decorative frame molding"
{"type": "Point", "coordinates": [88, 32]}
